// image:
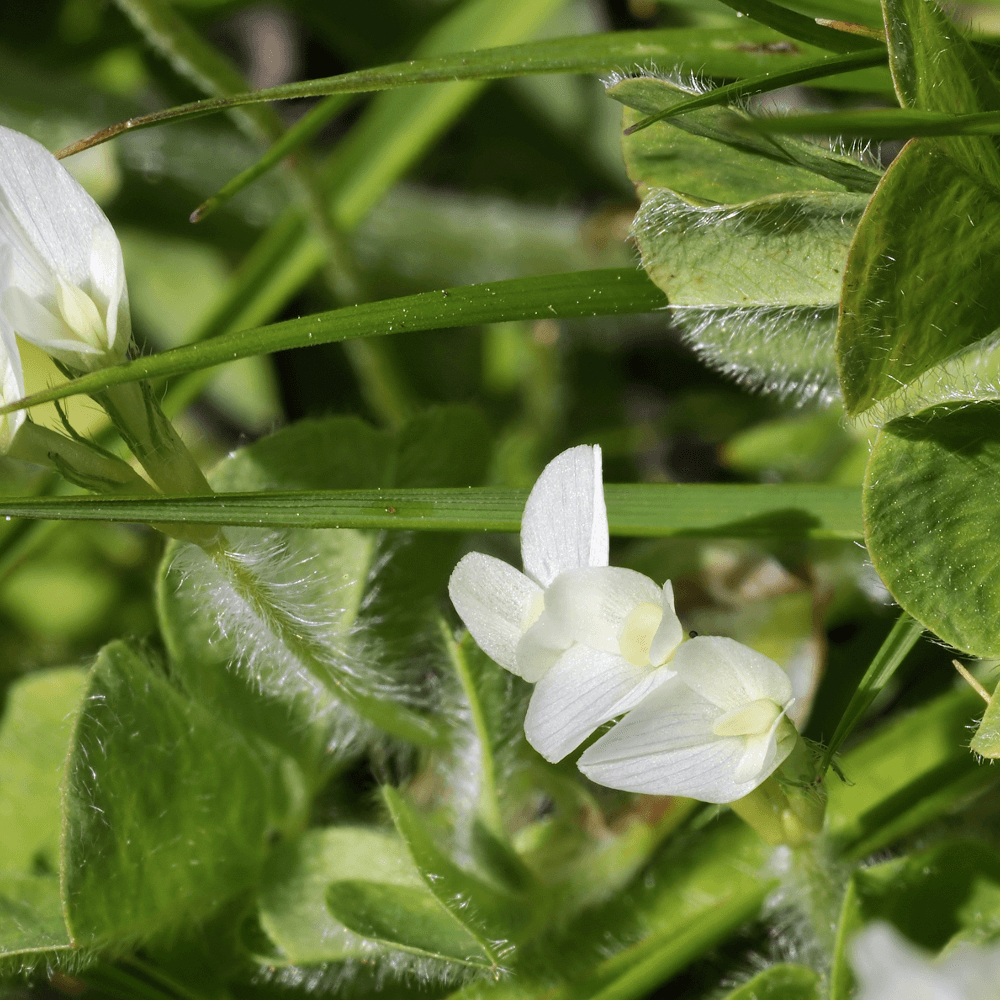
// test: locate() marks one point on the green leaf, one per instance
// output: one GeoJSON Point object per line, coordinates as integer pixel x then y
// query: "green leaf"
{"type": "Point", "coordinates": [405, 917]}
{"type": "Point", "coordinates": [776, 251]}
{"type": "Point", "coordinates": [931, 519]}
{"type": "Point", "coordinates": [800, 510]}
{"type": "Point", "coordinates": [828, 66]}
{"type": "Point", "coordinates": [932, 895]}
{"type": "Point", "coordinates": [797, 26]}
{"type": "Point", "coordinates": [924, 264]}
{"type": "Point", "coordinates": [169, 812]}
{"type": "Point", "coordinates": [293, 907]}
{"type": "Point", "coordinates": [915, 770]}
{"type": "Point", "coordinates": [585, 293]}
{"type": "Point", "coordinates": [34, 741]}
{"type": "Point", "coordinates": [780, 982]}
{"type": "Point", "coordinates": [31, 919]}
{"type": "Point", "coordinates": [494, 918]}
{"type": "Point", "coordinates": [711, 155]}
{"type": "Point", "coordinates": [986, 742]}
{"type": "Point", "coordinates": [934, 67]}
{"type": "Point", "coordinates": [280, 612]}
{"type": "Point", "coordinates": [951, 889]}
{"type": "Point", "coordinates": [693, 895]}
{"type": "Point", "coordinates": [745, 50]}
{"type": "Point", "coordinates": [921, 273]}
{"type": "Point", "coordinates": [887, 661]}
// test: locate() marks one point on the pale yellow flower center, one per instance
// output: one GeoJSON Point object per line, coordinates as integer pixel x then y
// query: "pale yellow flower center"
{"type": "Point", "coordinates": [638, 632]}
{"type": "Point", "coordinates": [753, 719]}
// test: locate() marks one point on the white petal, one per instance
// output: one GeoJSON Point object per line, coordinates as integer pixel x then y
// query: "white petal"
{"type": "Point", "coordinates": [540, 647]}
{"type": "Point", "coordinates": [888, 967]}
{"type": "Point", "coordinates": [565, 522]}
{"type": "Point", "coordinates": [494, 600]}
{"type": "Point", "coordinates": [46, 216]}
{"type": "Point", "coordinates": [670, 634]}
{"type": "Point", "coordinates": [729, 674]}
{"type": "Point", "coordinates": [592, 604]}
{"type": "Point", "coordinates": [107, 271]}
{"type": "Point", "coordinates": [581, 691]}
{"type": "Point", "coordinates": [666, 746]}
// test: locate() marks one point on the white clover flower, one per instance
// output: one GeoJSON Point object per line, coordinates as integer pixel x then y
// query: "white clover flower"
{"type": "Point", "coordinates": [888, 967]}
{"type": "Point", "coordinates": [714, 731]}
{"type": "Point", "coordinates": [593, 638]}
{"type": "Point", "coordinates": [62, 279]}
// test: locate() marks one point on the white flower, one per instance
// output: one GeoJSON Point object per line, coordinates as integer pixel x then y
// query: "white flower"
{"type": "Point", "coordinates": [62, 280]}
{"type": "Point", "coordinates": [714, 731]}
{"type": "Point", "coordinates": [888, 967]}
{"type": "Point", "coordinates": [11, 388]}
{"type": "Point", "coordinates": [593, 638]}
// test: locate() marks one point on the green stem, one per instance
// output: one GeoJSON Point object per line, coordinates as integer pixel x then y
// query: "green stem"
{"type": "Point", "coordinates": [489, 801]}
{"type": "Point", "coordinates": [152, 438]}
{"type": "Point", "coordinates": [383, 712]}
{"type": "Point", "coordinates": [887, 660]}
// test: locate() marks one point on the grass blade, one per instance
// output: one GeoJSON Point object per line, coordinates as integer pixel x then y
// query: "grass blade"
{"type": "Point", "coordinates": [828, 66]}
{"type": "Point", "coordinates": [890, 123]}
{"type": "Point", "coordinates": [746, 50]}
{"type": "Point", "coordinates": [555, 296]}
{"type": "Point", "coordinates": [648, 510]}
{"type": "Point", "coordinates": [802, 28]}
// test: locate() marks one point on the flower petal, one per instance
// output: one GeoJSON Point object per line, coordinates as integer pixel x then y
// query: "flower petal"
{"type": "Point", "coordinates": [666, 746]}
{"type": "Point", "coordinates": [494, 600]}
{"type": "Point", "coordinates": [47, 217]}
{"type": "Point", "coordinates": [581, 691]}
{"type": "Point", "coordinates": [592, 604]}
{"type": "Point", "coordinates": [540, 647]}
{"type": "Point", "coordinates": [565, 522]}
{"type": "Point", "coordinates": [670, 634]}
{"type": "Point", "coordinates": [888, 967]}
{"type": "Point", "coordinates": [729, 674]}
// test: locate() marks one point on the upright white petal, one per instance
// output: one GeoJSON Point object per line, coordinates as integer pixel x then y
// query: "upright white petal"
{"type": "Point", "coordinates": [565, 521]}
{"type": "Point", "coordinates": [495, 601]}
{"type": "Point", "coordinates": [729, 674]}
{"type": "Point", "coordinates": [593, 604]}
{"type": "Point", "coordinates": [57, 232]}
{"type": "Point", "coordinates": [670, 634]}
{"type": "Point", "coordinates": [581, 691]}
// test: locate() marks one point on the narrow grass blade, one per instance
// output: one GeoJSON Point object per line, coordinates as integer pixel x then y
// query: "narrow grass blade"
{"type": "Point", "coordinates": [637, 510]}
{"type": "Point", "coordinates": [887, 660]}
{"type": "Point", "coordinates": [558, 296]}
{"type": "Point", "coordinates": [800, 27]}
{"type": "Point", "coordinates": [828, 66]}
{"type": "Point", "coordinates": [891, 123]}
{"type": "Point", "coordinates": [299, 134]}
{"type": "Point", "coordinates": [741, 51]}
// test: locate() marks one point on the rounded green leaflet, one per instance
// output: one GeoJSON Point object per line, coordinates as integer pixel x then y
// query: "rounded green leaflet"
{"type": "Point", "coordinates": [932, 520]}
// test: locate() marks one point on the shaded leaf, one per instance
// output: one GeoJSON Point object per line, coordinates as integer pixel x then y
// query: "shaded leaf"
{"type": "Point", "coordinates": [31, 919]}
{"type": "Point", "coordinates": [712, 154]}
{"type": "Point", "coordinates": [168, 811]}
{"type": "Point", "coordinates": [931, 520]}
{"type": "Point", "coordinates": [34, 740]}
{"type": "Point", "coordinates": [293, 907]}
{"type": "Point", "coordinates": [780, 982]}
{"type": "Point", "coordinates": [405, 917]}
